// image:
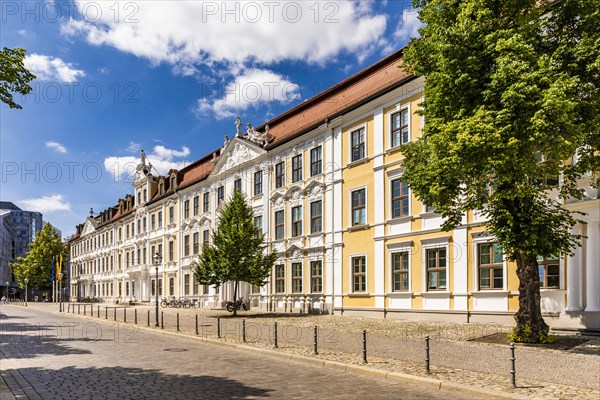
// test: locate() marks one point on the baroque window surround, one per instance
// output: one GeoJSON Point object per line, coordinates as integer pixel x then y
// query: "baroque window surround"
{"type": "Point", "coordinates": [366, 208]}
{"type": "Point", "coordinates": [396, 248]}
{"type": "Point", "coordinates": [349, 132]}
{"type": "Point", "coordinates": [350, 269]}
{"type": "Point", "coordinates": [399, 108]}
{"type": "Point", "coordinates": [431, 244]}
{"type": "Point", "coordinates": [481, 239]}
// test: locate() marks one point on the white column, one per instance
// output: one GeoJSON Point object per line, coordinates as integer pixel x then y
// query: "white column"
{"type": "Point", "coordinates": [592, 278]}
{"type": "Point", "coordinates": [459, 279]}
{"type": "Point", "coordinates": [379, 208]}
{"type": "Point", "coordinates": [337, 203]}
{"type": "Point", "coordinates": [574, 276]}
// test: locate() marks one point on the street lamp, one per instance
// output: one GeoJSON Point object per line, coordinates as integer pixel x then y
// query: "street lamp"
{"type": "Point", "coordinates": [26, 282]}
{"type": "Point", "coordinates": [156, 258]}
{"type": "Point", "coordinates": [60, 275]}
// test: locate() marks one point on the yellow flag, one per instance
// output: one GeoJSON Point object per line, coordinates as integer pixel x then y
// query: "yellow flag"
{"type": "Point", "coordinates": [59, 265]}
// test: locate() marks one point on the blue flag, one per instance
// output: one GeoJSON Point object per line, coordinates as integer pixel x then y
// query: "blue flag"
{"type": "Point", "coordinates": [53, 269]}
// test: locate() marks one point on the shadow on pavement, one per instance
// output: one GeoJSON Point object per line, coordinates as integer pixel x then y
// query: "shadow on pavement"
{"type": "Point", "coordinates": [37, 340]}
{"type": "Point", "coordinates": [132, 383]}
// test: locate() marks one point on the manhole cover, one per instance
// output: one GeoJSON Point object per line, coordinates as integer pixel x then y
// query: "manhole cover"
{"type": "Point", "coordinates": [176, 350]}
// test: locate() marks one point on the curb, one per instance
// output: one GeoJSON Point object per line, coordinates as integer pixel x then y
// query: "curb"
{"type": "Point", "coordinates": [351, 368]}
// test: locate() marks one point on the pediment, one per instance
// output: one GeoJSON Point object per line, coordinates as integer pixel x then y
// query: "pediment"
{"type": "Point", "coordinates": [89, 227]}
{"type": "Point", "coordinates": [278, 199]}
{"type": "Point", "coordinates": [293, 192]}
{"type": "Point", "coordinates": [204, 221]}
{"type": "Point", "coordinates": [314, 190]}
{"type": "Point", "coordinates": [295, 251]}
{"type": "Point", "coordinates": [236, 152]}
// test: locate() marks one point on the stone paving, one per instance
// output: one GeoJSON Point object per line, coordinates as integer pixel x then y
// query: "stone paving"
{"type": "Point", "coordinates": [398, 346]}
{"type": "Point", "coordinates": [46, 355]}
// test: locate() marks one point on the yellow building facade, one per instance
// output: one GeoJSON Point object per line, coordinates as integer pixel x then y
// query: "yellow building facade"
{"type": "Point", "coordinates": [325, 182]}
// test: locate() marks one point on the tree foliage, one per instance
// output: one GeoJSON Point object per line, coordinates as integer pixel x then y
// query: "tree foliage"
{"type": "Point", "coordinates": [511, 101]}
{"type": "Point", "coordinates": [14, 77]}
{"type": "Point", "coordinates": [237, 252]}
{"type": "Point", "coordinates": [37, 265]}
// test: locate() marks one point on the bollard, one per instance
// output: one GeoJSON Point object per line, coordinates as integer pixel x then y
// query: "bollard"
{"type": "Point", "coordinates": [244, 330]}
{"type": "Point", "coordinates": [219, 327]}
{"type": "Point", "coordinates": [315, 341]}
{"type": "Point", "coordinates": [124, 315]}
{"type": "Point", "coordinates": [364, 352]}
{"type": "Point", "coordinates": [115, 314]}
{"type": "Point", "coordinates": [196, 324]}
{"type": "Point", "coordinates": [427, 354]}
{"type": "Point", "coordinates": [84, 308]}
{"type": "Point", "coordinates": [98, 311]}
{"type": "Point", "coordinates": [162, 321]}
{"type": "Point", "coordinates": [148, 322]}
{"type": "Point", "coordinates": [513, 384]}
{"type": "Point", "coordinates": [105, 312]}
{"type": "Point", "coordinates": [78, 308]}
{"type": "Point", "coordinates": [69, 308]}
{"type": "Point", "coordinates": [135, 316]}
{"type": "Point", "coordinates": [177, 322]}
{"type": "Point", "coordinates": [275, 335]}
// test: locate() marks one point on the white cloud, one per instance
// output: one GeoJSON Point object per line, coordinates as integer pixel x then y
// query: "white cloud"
{"type": "Point", "coordinates": [169, 154]}
{"type": "Point", "coordinates": [251, 88]}
{"type": "Point", "coordinates": [48, 68]}
{"type": "Point", "coordinates": [161, 158]}
{"type": "Point", "coordinates": [188, 33]}
{"type": "Point", "coordinates": [133, 147]}
{"type": "Point", "coordinates": [59, 148]}
{"type": "Point", "coordinates": [408, 26]}
{"type": "Point", "coordinates": [22, 32]}
{"type": "Point", "coordinates": [46, 204]}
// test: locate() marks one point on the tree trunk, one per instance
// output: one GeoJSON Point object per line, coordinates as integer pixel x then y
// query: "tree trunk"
{"type": "Point", "coordinates": [235, 289]}
{"type": "Point", "coordinates": [531, 327]}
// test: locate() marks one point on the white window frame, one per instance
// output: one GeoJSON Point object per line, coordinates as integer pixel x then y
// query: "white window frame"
{"type": "Point", "coordinates": [351, 274]}
{"type": "Point", "coordinates": [477, 240]}
{"type": "Point", "coordinates": [399, 108]}
{"type": "Point", "coordinates": [350, 131]}
{"type": "Point", "coordinates": [435, 243]}
{"type": "Point", "coordinates": [318, 146]}
{"type": "Point", "coordinates": [310, 261]}
{"type": "Point", "coordinates": [397, 248]}
{"type": "Point", "coordinates": [302, 276]}
{"type": "Point", "coordinates": [391, 176]}
{"type": "Point", "coordinates": [275, 265]}
{"type": "Point", "coordinates": [275, 224]}
{"type": "Point", "coordinates": [350, 191]}
{"type": "Point", "coordinates": [302, 230]}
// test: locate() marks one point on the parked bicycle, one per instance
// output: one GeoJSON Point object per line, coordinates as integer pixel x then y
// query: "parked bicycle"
{"type": "Point", "coordinates": [179, 303]}
{"type": "Point", "coordinates": [237, 305]}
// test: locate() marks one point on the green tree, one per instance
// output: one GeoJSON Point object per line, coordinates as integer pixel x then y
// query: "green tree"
{"type": "Point", "coordinates": [511, 101]}
{"type": "Point", "coordinates": [37, 265]}
{"type": "Point", "coordinates": [14, 77]}
{"type": "Point", "coordinates": [237, 252]}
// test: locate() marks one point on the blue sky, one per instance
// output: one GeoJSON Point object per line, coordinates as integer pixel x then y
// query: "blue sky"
{"type": "Point", "coordinates": [167, 77]}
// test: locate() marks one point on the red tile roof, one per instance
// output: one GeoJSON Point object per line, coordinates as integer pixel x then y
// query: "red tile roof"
{"type": "Point", "coordinates": [361, 87]}
{"type": "Point", "coordinates": [343, 97]}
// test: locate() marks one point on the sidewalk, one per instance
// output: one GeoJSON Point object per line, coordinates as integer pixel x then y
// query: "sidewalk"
{"type": "Point", "coordinates": [396, 346]}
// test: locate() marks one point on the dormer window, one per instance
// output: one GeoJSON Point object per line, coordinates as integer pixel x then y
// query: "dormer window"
{"type": "Point", "coordinates": [145, 195]}
{"type": "Point", "coordinates": [161, 187]}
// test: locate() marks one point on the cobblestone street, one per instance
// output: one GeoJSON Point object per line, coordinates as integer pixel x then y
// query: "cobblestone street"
{"type": "Point", "coordinates": [46, 355]}
{"type": "Point", "coordinates": [397, 346]}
